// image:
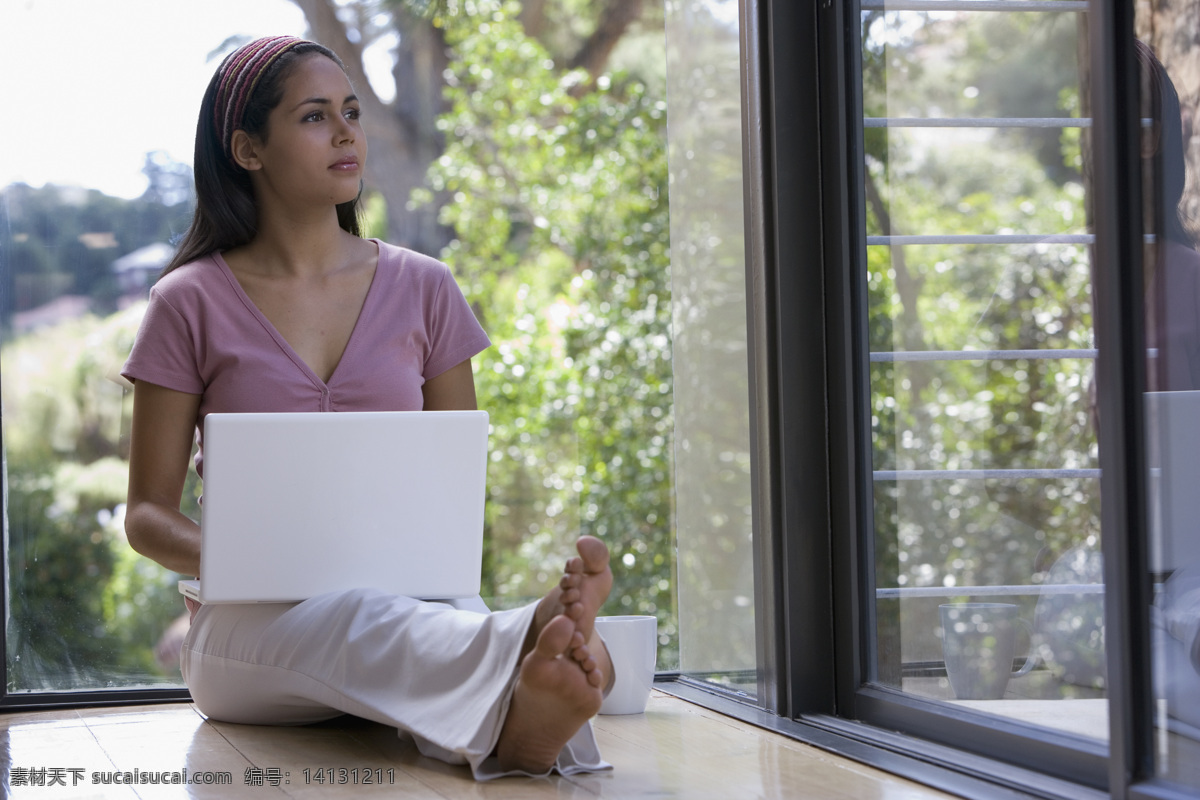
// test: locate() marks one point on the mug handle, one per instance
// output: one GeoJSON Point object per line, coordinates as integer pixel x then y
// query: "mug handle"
{"type": "Point", "coordinates": [1032, 659]}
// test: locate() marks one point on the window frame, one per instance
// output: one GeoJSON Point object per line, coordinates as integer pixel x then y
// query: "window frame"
{"type": "Point", "coordinates": [1062, 756]}
{"type": "Point", "coordinates": [802, 112]}
{"type": "Point", "coordinates": [803, 116]}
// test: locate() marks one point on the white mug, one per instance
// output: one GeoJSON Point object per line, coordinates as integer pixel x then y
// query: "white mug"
{"type": "Point", "coordinates": [632, 643]}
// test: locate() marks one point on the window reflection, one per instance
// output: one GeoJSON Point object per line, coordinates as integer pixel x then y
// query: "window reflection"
{"type": "Point", "coordinates": [1169, 95]}
{"type": "Point", "coordinates": [988, 565]}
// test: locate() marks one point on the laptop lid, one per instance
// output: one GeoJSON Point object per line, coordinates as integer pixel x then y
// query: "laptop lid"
{"type": "Point", "coordinates": [1173, 453]}
{"type": "Point", "coordinates": [296, 505]}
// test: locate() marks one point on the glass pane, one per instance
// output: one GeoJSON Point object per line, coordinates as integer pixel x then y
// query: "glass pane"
{"type": "Point", "coordinates": [569, 277]}
{"type": "Point", "coordinates": [88, 212]}
{"type": "Point", "coordinates": [987, 549]}
{"type": "Point", "coordinates": [1167, 57]}
{"type": "Point", "coordinates": [555, 193]}
{"type": "Point", "coordinates": [712, 458]}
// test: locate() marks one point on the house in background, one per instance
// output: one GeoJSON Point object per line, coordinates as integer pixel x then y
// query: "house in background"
{"type": "Point", "coordinates": [137, 271]}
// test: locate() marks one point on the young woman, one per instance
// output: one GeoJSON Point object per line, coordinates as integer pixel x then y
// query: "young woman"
{"type": "Point", "coordinates": [1173, 332]}
{"type": "Point", "coordinates": [274, 303]}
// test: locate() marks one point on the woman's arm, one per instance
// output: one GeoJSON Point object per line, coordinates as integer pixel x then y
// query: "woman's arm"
{"type": "Point", "coordinates": [161, 443]}
{"type": "Point", "coordinates": [453, 390]}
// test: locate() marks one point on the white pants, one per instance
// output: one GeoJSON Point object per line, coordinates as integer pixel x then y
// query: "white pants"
{"type": "Point", "coordinates": [443, 675]}
{"type": "Point", "coordinates": [1175, 625]}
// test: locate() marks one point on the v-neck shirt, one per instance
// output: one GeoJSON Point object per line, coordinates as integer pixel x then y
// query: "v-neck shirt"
{"type": "Point", "coordinates": [203, 335]}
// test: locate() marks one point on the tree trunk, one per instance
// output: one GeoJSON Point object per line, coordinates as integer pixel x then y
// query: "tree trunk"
{"type": "Point", "coordinates": [533, 17]}
{"type": "Point", "coordinates": [614, 21]}
{"type": "Point", "coordinates": [402, 136]}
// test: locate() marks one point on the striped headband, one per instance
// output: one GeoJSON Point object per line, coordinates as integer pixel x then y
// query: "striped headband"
{"type": "Point", "coordinates": [240, 73]}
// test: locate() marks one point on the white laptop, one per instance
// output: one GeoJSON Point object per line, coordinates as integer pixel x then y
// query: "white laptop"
{"type": "Point", "coordinates": [296, 505]}
{"type": "Point", "coordinates": [1173, 454]}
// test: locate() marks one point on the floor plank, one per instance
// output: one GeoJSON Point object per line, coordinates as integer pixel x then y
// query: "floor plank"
{"type": "Point", "coordinates": [674, 750]}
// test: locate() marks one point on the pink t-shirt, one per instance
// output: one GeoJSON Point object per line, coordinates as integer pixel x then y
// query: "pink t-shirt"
{"type": "Point", "coordinates": [203, 335]}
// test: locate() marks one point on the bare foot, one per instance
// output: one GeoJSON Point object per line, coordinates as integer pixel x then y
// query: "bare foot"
{"type": "Point", "coordinates": [590, 580]}
{"type": "Point", "coordinates": [552, 700]}
{"type": "Point", "coordinates": [584, 587]}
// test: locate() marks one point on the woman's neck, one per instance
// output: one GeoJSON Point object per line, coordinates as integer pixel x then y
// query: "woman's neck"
{"type": "Point", "coordinates": [287, 246]}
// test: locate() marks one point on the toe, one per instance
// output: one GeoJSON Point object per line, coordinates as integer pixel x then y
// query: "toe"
{"type": "Point", "coordinates": [593, 554]}
{"type": "Point", "coordinates": [555, 637]}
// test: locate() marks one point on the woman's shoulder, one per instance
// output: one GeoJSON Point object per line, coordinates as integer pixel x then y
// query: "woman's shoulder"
{"type": "Point", "coordinates": [189, 277]}
{"type": "Point", "coordinates": [194, 286]}
{"type": "Point", "coordinates": [1182, 254]}
{"type": "Point", "coordinates": [408, 267]}
{"type": "Point", "coordinates": [398, 257]}
{"type": "Point", "coordinates": [1181, 265]}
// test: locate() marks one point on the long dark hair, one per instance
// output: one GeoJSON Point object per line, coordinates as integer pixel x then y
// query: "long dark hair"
{"type": "Point", "coordinates": [226, 213]}
{"type": "Point", "coordinates": [1160, 103]}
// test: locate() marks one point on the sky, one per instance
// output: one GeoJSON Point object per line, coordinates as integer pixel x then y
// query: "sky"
{"type": "Point", "coordinates": [91, 86]}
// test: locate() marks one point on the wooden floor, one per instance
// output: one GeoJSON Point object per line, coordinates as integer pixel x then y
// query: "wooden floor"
{"type": "Point", "coordinates": [675, 749]}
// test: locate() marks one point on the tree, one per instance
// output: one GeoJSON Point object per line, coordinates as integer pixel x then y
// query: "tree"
{"type": "Point", "coordinates": [63, 240]}
{"type": "Point", "coordinates": [981, 414]}
{"type": "Point", "coordinates": [560, 215]}
{"type": "Point", "coordinates": [405, 140]}
{"type": "Point", "coordinates": [540, 177]}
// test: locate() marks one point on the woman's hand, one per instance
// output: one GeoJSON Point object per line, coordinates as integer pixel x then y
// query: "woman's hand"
{"type": "Point", "coordinates": [164, 422]}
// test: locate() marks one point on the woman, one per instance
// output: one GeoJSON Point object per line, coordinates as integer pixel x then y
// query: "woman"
{"type": "Point", "coordinates": [1171, 261]}
{"type": "Point", "coordinates": [1173, 338]}
{"type": "Point", "coordinates": [274, 303]}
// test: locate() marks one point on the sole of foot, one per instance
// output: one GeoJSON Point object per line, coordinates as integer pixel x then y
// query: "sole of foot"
{"type": "Point", "coordinates": [552, 700]}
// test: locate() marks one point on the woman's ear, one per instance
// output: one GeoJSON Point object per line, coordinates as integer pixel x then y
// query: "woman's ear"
{"type": "Point", "coordinates": [244, 151]}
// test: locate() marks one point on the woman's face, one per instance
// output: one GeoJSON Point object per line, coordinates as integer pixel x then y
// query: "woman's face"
{"type": "Point", "coordinates": [315, 150]}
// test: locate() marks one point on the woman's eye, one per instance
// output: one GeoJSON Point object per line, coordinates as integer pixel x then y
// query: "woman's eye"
{"type": "Point", "coordinates": [315, 116]}
{"type": "Point", "coordinates": [352, 113]}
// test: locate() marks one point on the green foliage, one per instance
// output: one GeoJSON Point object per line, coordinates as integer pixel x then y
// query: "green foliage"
{"type": "Point", "coordinates": [558, 203]}
{"type": "Point", "coordinates": [1015, 64]}
{"type": "Point", "coordinates": [63, 240]}
{"type": "Point", "coordinates": [976, 414]}
{"type": "Point", "coordinates": [84, 608]}
{"type": "Point", "coordinates": [374, 216]}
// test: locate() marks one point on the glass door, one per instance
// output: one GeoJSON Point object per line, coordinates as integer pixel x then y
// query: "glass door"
{"type": "Point", "coordinates": [1167, 57]}
{"type": "Point", "coordinates": [988, 568]}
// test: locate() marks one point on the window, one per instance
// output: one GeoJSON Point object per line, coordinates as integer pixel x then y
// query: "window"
{"type": "Point", "coordinates": [569, 277]}
{"type": "Point", "coordinates": [83, 233]}
{"type": "Point", "coordinates": [1170, 163]}
{"type": "Point", "coordinates": [925, 339]}
{"type": "Point", "coordinates": [712, 447]}
{"type": "Point", "coordinates": [963, 422]}
{"type": "Point", "coordinates": [988, 562]}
